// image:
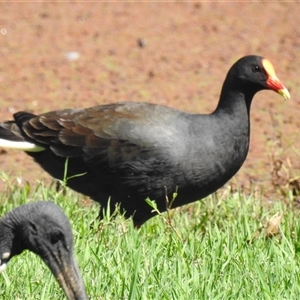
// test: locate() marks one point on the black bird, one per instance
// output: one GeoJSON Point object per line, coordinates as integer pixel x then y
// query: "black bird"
{"type": "Point", "coordinates": [44, 229]}
{"type": "Point", "coordinates": [129, 151]}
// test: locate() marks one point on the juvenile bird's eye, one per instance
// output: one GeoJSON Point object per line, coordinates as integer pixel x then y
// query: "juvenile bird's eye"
{"type": "Point", "coordinates": [256, 69]}
{"type": "Point", "coordinates": [55, 237]}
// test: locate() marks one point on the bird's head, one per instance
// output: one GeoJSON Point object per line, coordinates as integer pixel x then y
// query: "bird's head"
{"type": "Point", "coordinates": [43, 228]}
{"type": "Point", "coordinates": [255, 73]}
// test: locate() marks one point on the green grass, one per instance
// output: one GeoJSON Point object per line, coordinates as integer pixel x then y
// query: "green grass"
{"type": "Point", "coordinates": [213, 250]}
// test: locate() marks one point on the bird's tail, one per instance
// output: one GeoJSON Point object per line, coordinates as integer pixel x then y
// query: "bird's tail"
{"type": "Point", "coordinates": [11, 136]}
{"type": "Point", "coordinates": [10, 131]}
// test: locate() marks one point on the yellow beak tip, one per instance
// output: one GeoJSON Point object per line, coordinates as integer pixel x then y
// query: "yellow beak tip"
{"type": "Point", "coordinates": [285, 93]}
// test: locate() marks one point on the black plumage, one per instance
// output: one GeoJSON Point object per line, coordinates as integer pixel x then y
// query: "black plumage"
{"type": "Point", "coordinates": [43, 228]}
{"type": "Point", "coordinates": [129, 151]}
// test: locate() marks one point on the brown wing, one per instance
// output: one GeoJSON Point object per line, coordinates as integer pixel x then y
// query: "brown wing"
{"type": "Point", "coordinates": [114, 130]}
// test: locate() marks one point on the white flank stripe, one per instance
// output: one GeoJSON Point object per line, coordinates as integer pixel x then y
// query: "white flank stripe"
{"type": "Point", "coordinates": [25, 146]}
{"type": "Point", "coordinates": [6, 255]}
{"type": "Point", "coordinates": [2, 267]}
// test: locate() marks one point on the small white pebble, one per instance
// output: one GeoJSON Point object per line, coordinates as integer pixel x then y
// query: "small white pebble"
{"type": "Point", "coordinates": [11, 109]}
{"type": "Point", "coordinates": [72, 55]}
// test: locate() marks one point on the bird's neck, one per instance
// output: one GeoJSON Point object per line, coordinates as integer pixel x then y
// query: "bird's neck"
{"type": "Point", "coordinates": [7, 239]}
{"type": "Point", "coordinates": [233, 117]}
{"type": "Point", "coordinates": [10, 227]}
{"type": "Point", "coordinates": [235, 98]}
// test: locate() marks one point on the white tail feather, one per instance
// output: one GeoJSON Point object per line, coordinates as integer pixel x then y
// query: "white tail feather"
{"type": "Point", "coordinates": [25, 146]}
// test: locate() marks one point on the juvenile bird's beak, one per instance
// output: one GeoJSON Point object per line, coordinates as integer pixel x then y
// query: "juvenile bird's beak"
{"type": "Point", "coordinates": [68, 275]}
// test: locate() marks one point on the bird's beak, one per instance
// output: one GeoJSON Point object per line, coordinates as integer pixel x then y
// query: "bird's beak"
{"type": "Point", "coordinates": [69, 278]}
{"type": "Point", "coordinates": [273, 82]}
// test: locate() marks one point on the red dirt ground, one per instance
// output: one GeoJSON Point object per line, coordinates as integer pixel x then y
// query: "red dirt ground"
{"type": "Point", "coordinates": [176, 54]}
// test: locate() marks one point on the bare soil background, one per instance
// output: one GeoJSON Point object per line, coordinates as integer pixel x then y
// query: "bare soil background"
{"type": "Point", "coordinates": [67, 55]}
